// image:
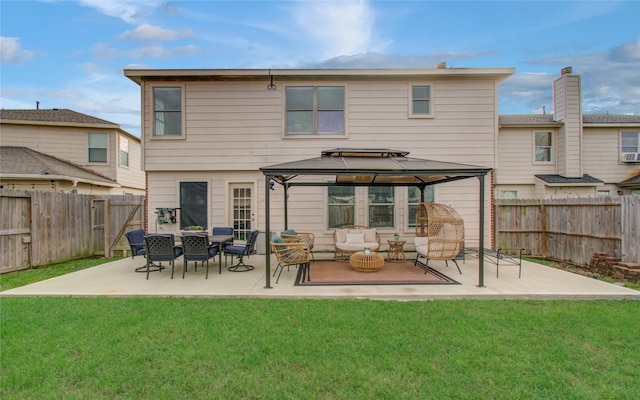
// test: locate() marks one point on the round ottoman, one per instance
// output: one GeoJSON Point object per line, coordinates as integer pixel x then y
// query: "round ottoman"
{"type": "Point", "coordinates": [371, 262]}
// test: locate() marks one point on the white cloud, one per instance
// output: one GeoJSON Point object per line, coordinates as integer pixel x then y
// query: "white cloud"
{"type": "Point", "coordinates": [11, 51]}
{"type": "Point", "coordinates": [132, 11]}
{"type": "Point", "coordinates": [150, 32]}
{"type": "Point", "coordinates": [337, 28]}
{"type": "Point", "coordinates": [102, 52]}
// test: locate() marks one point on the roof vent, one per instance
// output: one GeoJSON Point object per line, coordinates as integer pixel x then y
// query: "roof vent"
{"type": "Point", "coordinates": [566, 71]}
{"type": "Point", "coordinates": [441, 65]}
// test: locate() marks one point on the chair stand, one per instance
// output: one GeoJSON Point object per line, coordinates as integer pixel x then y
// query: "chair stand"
{"type": "Point", "coordinates": [426, 264]}
{"type": "Point", "coordinates": [153, 268]}
{"type": "Point", "coordinates": [241, 266]}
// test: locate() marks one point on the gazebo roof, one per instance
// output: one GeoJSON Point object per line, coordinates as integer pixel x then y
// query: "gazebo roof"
{"type": "Point", "coordinates": [371, 167]}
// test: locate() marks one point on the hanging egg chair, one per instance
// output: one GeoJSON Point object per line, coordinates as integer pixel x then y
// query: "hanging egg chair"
{"type": "Point", "coordinates": [439, 232]}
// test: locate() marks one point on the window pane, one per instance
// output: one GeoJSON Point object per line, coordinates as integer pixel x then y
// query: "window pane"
{"type": "Point", "coordinates": [543, 154]}
{"type": "Point", "coordinates": [629, 142]}
{"type": "Point", "coordinates": [331, 98]}
{"type": "Point", "coordinates": [98, 140]}
{"type": "Point", "coordinates": [167, 98]}
{"type": "Point", "coordinates": [420, 107]}
{"type": "Point", "coordinates": [381, 207]}
{"type": "Point", "coordinates": [98, 155]}
{"type": "Point", "coordinates": [414, 199]}
{"type": "Point", "coordinates": [299, 98]}
{"type": "Point", "coordinates": [421, 92]}
{"type": "Point", "coordinates": [381, 194]}
{"type": "Point", "coordinates": [300, 122]}
{"type": "Point", "coordinates": [341, 205]}
{"type": "Point", "coordinates": [330, 122]}
{"type": "Point", "coordinates": [168, 123]}
{"type": "Point", "coordinates": [124, 158]}
{"type": "Point", "coordinates": [543, 139]}
{"type": "Point", "coordinates": [193, 204]}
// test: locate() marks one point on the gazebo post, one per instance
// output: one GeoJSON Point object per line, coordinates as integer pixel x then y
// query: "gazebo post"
{"type": "Point", "coordinates": [481, 237]}
{"type": "Point", "coordinates": [267, 229]}
{"type": "Point", "coordinates": [286, 205]}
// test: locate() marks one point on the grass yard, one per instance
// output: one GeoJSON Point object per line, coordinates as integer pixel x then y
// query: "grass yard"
{"type": "Point", "coordinates": [170, 348]}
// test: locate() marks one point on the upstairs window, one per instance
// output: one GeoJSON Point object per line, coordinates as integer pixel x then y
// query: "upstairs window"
{"type": "Point", "coordinates": [630, 142]}
{"type": "Point", "coordinates": [167, 111]}
{"type": "Point", "coordinates": [315, 110]}
{"type": "Point", "coordinates": [421, 101]}
{"type": "Point", "coordinates": [98, 147]}
{"type": "Point", "coordinates": [543, 147]}
{"type": "Point", "coordinates": [124, 151]}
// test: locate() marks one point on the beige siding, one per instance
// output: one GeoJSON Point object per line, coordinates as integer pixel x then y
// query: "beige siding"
{"type": "Point", "coordinates": [231, 125]}
{"type": "Point", "coordinates": [601, 156]}
{"type": "Point", "coordinates": [516, 156]}
{"type": "Point", "coordinates": [132, 176]}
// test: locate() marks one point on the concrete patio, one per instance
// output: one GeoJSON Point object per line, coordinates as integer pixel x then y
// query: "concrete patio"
{"type": "Point", "coordinates": [119, 279]}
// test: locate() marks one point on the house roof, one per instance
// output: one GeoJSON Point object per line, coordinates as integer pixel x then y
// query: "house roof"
{"type": "Point", "coordinates": [548, 119]}
{"type": "Point", "coordinates": [373, 167]}
{"type": "Point", "coordinates": [52, 115]}
{"type": "Point", "coordinates": [138, 75]}
{"type": "Point", "coordinates": [28, 164]}
{"type": "Point", "coordinates": [559, 180]}
{"type": "Point", "coordinates": [631, 183]}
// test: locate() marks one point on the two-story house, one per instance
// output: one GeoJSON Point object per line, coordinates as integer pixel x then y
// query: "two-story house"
{"type": "Point", "coordinates": [63, 150]}
{"type": "Point", "coordinates": [567, 154]}
{"type": "Point", "coordinates": [206, 133]}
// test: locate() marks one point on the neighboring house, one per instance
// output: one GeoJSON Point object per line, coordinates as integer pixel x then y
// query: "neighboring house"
{"type": "Point", "coordinates": [87, 154]}
{"type": "Point", "coordinates": [206, 133]}
{"type": "Point", "coordinates": [567, 154]}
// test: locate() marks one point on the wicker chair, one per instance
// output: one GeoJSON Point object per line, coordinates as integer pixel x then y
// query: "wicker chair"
{"type": "Point", "coordinates": [439, 233]}
{"type": "Point", "coordinates": [290, 254]}
{"type": "Point", "coordinates": [344, 248]}
{"type": "Point", "coordinates": [299, 237]}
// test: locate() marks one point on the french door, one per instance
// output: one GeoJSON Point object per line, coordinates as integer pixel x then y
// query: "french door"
{"type": "Point", "coordinates": [242, 209]}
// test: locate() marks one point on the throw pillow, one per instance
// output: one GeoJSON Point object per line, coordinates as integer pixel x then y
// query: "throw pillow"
{"type": "Point", "coordinates": [370, 235]}
{"type": "Point", "coordinates": [276, 239]}
{"type": "Point", "coordinates": [355, 238]}
{"type": "Point", "coordinates": [289, 232]}
{"type": "Point", "coordinates": [341, 235]}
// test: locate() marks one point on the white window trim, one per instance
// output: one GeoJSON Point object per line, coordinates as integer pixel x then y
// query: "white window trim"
{"type": "Point", "coordinates": [553, 148]}
{"type": "Point", "coordinates": [183, 111]}
{"type": "Point", "coordinates": [410, 101]}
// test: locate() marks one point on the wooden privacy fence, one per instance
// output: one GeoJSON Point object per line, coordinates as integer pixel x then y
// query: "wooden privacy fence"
{"type": "Point", "coordinates": [42, 228]}
{"type": "Point", "coordinates": [570, 229]}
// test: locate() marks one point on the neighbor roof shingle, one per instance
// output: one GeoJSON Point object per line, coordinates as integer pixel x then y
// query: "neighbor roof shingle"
{"type": "Point", "coordinates": [555, 178]}
{"type": "Point", "coordinates": [52, 115]}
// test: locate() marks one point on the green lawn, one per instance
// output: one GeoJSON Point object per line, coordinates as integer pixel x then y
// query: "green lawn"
{"type": "Point", "coordinates": [192, 348]}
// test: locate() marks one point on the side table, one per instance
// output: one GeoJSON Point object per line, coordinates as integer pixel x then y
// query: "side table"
{"type": "Point", "coordinates": [396, 251]}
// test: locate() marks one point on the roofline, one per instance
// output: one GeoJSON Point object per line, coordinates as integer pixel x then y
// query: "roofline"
{"type": "Point", "coordinates": [536, 124]}
{"type": "Point", "coordinates": [39, 177]}
{"type": "Point", "coordinates": [611, 125]}
{"type": "Point", "coordinates": [577, 184]}
{"type": "Point", "coordinates": [138, 75]}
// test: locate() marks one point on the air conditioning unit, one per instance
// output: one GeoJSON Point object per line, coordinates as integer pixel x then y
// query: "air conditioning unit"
{"type": "Point", "coordinates": [630, 157]}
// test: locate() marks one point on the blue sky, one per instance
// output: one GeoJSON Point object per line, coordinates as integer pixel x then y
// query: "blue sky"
{"type": "Point", "coordinates": [71, 54]}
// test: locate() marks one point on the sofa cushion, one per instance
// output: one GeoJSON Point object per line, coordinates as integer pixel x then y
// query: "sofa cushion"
{"type": "Point", "coordinates": [421, 241]}
{"type": "Point", "coordinates": [359, 246]}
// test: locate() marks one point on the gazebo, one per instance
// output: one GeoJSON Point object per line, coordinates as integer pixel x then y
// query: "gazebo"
{"type": "Point", "coordinates": [370, 167]}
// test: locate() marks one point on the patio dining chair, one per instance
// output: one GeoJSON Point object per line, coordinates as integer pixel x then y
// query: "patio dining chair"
{"type": "Point", "coordinates": [161, 247]}
{"type": "Point", "coordinates": [223, 230]}
{"type": "Point", "coordinates": [136, 243]}
{"type": "Point", "coordinates": [196, 248]}
{"type": "Point", "coordinates": [242, 251]}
